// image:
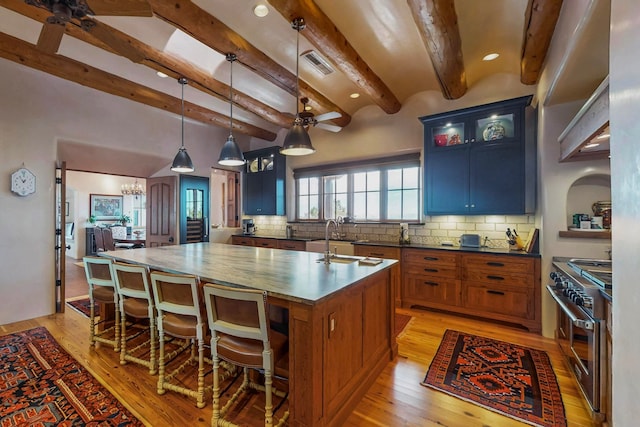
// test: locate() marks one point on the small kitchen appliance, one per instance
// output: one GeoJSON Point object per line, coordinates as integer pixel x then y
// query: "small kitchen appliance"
{"type": "Point", "coordinates": [470, 240]}
{"type": "Point", "coordinates": [248, 227]}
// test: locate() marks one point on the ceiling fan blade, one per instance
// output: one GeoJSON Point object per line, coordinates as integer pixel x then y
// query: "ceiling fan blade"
{"type": "Point", "coordinates": [50, 37]}
{"type": "Point", "coordinates": [118, 44]}
{"type": "Point", "coordinates": [120, 7]}
{"type": "Point", "coordinates": [328, 116]}
{"type": "Point", "coordinates": [330, 128]}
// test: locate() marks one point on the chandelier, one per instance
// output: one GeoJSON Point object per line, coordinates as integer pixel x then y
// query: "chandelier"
{"type": "Point", "coordinates": [135, 189]}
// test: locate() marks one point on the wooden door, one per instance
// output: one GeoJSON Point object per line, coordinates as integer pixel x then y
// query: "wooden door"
{"type": "Point", "coordinates": [161, 212]}
{"type": "Point", "coordinates": [233, 190]}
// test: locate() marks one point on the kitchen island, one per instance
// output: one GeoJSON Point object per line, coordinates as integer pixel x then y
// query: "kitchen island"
{"type": "Point", "coordinates": [341, 316]}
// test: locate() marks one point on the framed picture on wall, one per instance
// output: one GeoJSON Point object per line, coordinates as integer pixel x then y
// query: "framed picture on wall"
{"type": "Point", "coordinates": [105, 207]}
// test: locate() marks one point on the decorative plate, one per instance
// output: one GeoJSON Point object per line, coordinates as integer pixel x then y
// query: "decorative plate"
{"type": "Point", "coordinates": [493, 130]}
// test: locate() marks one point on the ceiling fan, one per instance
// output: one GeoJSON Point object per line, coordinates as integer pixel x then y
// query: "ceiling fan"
{"type": "Point", "coordinates": [78, 12]}
{"type": "Point", "coordinates": [310, 119]}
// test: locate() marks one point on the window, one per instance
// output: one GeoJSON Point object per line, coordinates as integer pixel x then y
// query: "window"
{"type": "Point", "coordinates": [384, 190]}
{"type": "Point", "coordinates": [194, 203]}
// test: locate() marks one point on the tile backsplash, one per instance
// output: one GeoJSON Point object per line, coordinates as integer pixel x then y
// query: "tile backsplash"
{"type": "Point", "coordinates": [434, 231]}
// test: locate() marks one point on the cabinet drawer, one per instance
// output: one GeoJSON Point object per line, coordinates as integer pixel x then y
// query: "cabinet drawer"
{"type": "Point", "coordinates": [498, 264]}
{"type": "Point", "coordinates": [377, 251]}
{"type": "Point", "coordinates": [292, 245]}
{"type": "Point", "coordinates": [502, 278]}
{"type": "Point", "coordinates": [431, 270]}
{"type": "Point", "coordinates": [425, 257]}
{"type": "Point", "coordinates": [244, 241]}
{"type": "Point", "coordinates": [499, 300]}
{"type": "Point", "coordinates": [265, 243]}
{"type": "Point", "coordinates": [432, 289]}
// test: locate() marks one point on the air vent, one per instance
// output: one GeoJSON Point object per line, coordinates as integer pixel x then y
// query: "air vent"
{"type": "Point", "coordinates": [318, 62]}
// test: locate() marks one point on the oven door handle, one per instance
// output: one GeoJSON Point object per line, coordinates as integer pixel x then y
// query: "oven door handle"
{"type": "Point", "coordinates": [581, 323]}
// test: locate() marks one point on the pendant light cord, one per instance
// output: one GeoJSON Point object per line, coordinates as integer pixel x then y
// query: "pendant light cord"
{"type": "Point", "coordinates": [297, 68]}
{"type": "Point", "coordinates": [183, 82]}
{"type": "Point", "coordinates": [231, 57]}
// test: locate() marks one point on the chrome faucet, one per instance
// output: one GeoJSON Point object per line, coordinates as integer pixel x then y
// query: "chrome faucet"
{"type": "Point", "coordinates": [327, 252]}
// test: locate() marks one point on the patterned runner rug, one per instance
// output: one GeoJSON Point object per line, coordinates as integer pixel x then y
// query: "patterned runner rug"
{"type": "Point", "coordinates": [509, 379]}
{"type": "Point", "coordinates": [82, 305]}
{"type": "Point", "coordinates": [42, 385]}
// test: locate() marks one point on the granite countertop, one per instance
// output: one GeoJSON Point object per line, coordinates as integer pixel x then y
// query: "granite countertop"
{"type": "Point", "coordinates": [292, 275]}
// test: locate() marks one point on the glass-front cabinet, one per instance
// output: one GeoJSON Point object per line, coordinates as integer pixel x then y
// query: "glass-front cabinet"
{"type": "Point", "coordinates": [478, 160]}
{"type": "Point", "coordinates": [264, 182]}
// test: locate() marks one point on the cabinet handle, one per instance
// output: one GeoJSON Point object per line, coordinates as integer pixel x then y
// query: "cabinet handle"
{"type": "Point", "coordinates": [431, 270]}
{"type": "Point", "coordinates": [495, 292]}
{"type": "Point", "coordinates": [431, 283]}
{"type": "Point", "coordinates": [495, 264]}
{"type": "Point", "coordinates": [495, 277]}
{"type": "Point", "coordinates": [430, 258]}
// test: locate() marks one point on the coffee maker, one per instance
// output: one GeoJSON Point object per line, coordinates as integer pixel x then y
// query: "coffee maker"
{"type": "Point", "coordinates": [248, 227]}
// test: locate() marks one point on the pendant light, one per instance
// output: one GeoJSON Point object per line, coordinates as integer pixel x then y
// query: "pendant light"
{"type": "Point", "coordinates": [182, 162]}
{"type": "Point", "coordinates": [297, 141]}
{"type": "Point", "coordinates": [231, 154]}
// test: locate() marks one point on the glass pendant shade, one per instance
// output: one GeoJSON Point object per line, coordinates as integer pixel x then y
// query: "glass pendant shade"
{"type": "Point", "coordinates": [231, 154]}
{"type": "Point", "coordinates": [182, 162]}
{"type": "Point", "coordinates": [297, 141]}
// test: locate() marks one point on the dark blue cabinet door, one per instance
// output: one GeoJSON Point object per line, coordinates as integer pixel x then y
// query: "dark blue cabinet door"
{"type": "Point", "coordinates": [496, 180]}
{"type": "Point", "coordinates": [447, 181]}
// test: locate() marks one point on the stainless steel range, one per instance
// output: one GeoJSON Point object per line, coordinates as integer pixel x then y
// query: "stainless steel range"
{"type": "Point", "coordinates": [576, 288]}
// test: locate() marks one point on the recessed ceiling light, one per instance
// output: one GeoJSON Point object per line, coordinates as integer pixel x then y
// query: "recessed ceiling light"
{"type": "Point", "coordinates": [354, 95]}
{"type": "Point", "coordinates": [307, 108]}
{"type": "Point", "coordinates": [591, 145]}
{"type": "Point", "coordinates": [490, 57]}
{"type": "Point", "coordinates": [260, 10]}
{"type": "Point", "coordinates": [161, 74]}
{"type": "Point", "coordinates": [603, 136]}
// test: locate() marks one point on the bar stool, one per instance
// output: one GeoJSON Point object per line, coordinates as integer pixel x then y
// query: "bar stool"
{"type": "Point", "coordinates": [136, 302]}
{"type": "Point", "coordinates": [240, 335]}
{"type": "Point", "coordinates": [180, 315]}
{"type": "Point", "coordinates": [102, 289]}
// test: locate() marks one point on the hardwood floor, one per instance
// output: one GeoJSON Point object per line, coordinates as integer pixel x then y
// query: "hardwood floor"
{"type": "Point", "coordinates": [395, 399]}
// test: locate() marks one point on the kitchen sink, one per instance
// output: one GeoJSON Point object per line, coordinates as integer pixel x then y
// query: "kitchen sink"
{"type": "Point", "coordinates": [339, 259]}
{"type": "Point", "coordinates": [341, 247]}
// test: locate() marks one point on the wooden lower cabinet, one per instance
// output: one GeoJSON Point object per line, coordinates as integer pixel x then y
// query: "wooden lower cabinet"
{"type": "Point", "coordinates": [494, 286]}
{"type": "Point", "coordinates": [292, 245]}
{"type": "Point", "coordinates": [266, 242]}
{"type": "Point", "coordinates": [242, 240]}
{"type": "Point", "coordinates": [387, 252]}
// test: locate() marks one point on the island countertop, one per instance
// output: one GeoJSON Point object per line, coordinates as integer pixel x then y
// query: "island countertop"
{"type": "Point", "coordinates": [291, 275]}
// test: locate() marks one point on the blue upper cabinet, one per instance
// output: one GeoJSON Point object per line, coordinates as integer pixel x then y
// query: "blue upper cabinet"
{"type": "Point", "coordinates": [264, 182]}
{"type": "Point", "coordinates": [481, 160]}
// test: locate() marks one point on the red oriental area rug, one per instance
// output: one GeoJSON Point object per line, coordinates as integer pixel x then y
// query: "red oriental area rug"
{"type": "Point", "coordinates": [42, 385]}
{"type": "Point", "coordinates": [82, 305]}
{"type": "Point", "coordinates": [515, 381]}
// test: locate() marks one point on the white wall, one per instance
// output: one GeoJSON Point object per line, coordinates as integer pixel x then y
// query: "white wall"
{"type": "Point", "coordinates": [625, 176]}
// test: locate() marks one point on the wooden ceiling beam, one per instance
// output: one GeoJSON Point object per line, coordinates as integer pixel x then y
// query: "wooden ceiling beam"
{"type": "Point", "coordinates": [326, 37]}
{"type": "Point", "coordinates": [539, 24]}
{"type": "Point", "coordinates": [159, 61]}
{"type": "Point", "coordinates": [207, 29]}
{"type": "Point", "coordinates": [24, 53]}
{"type": "Point", "coordinates": [438, 26]}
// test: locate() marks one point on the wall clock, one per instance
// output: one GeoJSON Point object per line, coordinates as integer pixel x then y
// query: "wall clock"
{"type": "Point", "coordinates": [23, 182]}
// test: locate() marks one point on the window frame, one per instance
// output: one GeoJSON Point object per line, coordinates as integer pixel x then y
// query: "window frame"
{"type": "Point", "coordinates": [381, 165]}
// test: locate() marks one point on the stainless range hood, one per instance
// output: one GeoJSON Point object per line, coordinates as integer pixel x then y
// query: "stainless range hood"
{"type": "Point", "coordinates": [587, 135]}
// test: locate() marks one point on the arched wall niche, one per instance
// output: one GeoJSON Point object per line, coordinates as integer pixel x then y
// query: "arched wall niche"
{"type": "Point", "coordinates": [584, 192]}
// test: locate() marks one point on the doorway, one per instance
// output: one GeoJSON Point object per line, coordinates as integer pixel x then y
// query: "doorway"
{"type": "Point", "coordinates": [194, 209]}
